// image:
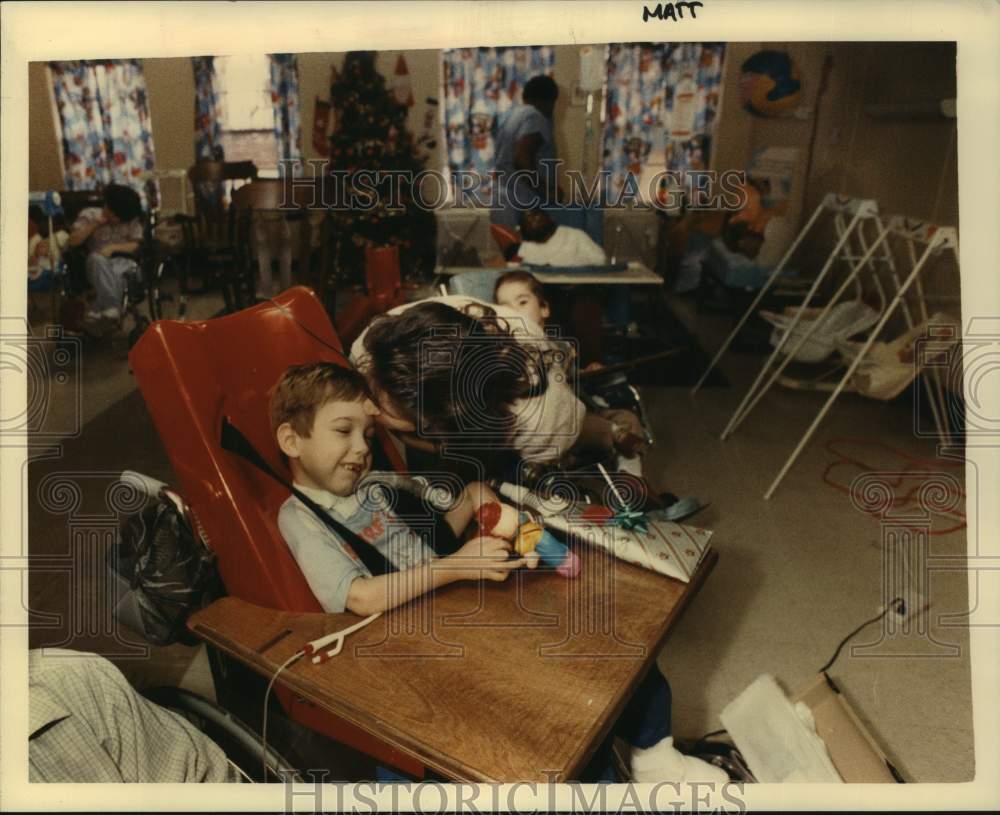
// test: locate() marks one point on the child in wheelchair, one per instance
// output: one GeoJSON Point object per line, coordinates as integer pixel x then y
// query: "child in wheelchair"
{"type": "Point", "coordinates": [628, 435]}
{"type": "Point", "coordinates": [522, 292]}
{"type": "Point", "coordinates": [323, 421]}
{"type": "Point", "coordinates": [109, 235]}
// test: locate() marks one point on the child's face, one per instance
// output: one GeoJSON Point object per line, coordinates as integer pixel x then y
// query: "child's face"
{"type": "Point", "coordinates": [524, 301]}
{"type": "Point", "coordinates": [336, 455]}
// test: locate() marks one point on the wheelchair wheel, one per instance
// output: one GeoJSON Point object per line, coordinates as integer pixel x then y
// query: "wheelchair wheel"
{"type": "Point", "coordinates": [167, 297]}
{"type": "Point", "coordinates": [141, 324]}
{"type": "Point", "coordinates": [238, 741]}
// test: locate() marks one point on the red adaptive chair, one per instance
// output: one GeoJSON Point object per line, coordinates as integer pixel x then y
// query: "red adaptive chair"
{"type": "Point", "coordinates": [383, 276]}
{"type": "Point", "coordinates": [507, 239]}
{"type": "Point", "coordinates": [191, 375]}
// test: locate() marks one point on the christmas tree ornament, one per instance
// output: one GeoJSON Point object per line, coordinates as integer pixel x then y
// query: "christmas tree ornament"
{"type": "Point", "coordinates": [401, 87]}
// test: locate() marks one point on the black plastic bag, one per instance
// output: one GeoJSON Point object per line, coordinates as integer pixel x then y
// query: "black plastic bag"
{"type": "Point", "coordinates": [165, 572]}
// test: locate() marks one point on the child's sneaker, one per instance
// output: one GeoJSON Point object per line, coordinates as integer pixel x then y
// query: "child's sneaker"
{"type": "Point", "coordinates": [663, 762]}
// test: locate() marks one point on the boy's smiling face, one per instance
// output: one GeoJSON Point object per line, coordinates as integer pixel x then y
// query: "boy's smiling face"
{"type": "Point", "coordinates": [336, 454]}
{"type": "Point", "coordinates": [519, 296]}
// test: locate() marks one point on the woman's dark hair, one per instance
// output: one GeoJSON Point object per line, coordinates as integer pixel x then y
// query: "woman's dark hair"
{"type": "Point", "coordinates": [123, 201]}
{"type": "Point", "coordinates": [454, 373]}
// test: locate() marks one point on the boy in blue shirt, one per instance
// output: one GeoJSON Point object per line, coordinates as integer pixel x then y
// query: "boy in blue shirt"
{"type": "Point", "coordinates": [323, 420]}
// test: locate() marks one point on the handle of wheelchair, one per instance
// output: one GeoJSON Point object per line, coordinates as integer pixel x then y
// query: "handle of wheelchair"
{"type": "Point", "coordinates": [147, 485]}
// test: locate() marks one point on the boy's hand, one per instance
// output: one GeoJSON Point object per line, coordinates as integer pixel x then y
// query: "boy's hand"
{"type": "Point", "coordinates": [485, 558]}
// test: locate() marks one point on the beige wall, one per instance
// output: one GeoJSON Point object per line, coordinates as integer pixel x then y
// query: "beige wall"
{"type": "Point", "coordinates": [44, 165]}
{"type": "Point", "coordinates": [909, 166]}
{"type": "Point", "coordinates": [170, 88]}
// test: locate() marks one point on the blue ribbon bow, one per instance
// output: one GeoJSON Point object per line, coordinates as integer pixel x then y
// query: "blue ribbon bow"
{"type": "Point", "coordinates": [629, 519]}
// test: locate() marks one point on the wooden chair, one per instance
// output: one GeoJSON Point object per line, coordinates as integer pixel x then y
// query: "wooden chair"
{"type": "Point", "coordinates": [261, 208]}
{"type": "Point", "coordinates": [207, 233]}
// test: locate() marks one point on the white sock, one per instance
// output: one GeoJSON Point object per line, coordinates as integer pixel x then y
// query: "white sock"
{"type": "Point", "coordinates": [663, 762]}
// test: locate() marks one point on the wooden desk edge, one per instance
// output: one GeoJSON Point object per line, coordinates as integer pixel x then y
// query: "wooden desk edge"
{"type": "Point", "coordinates": [598, 734]}
{"type": "Point", "coordinates": [374, 726]}
{"type": "Point", "coordinates": [448, 765]}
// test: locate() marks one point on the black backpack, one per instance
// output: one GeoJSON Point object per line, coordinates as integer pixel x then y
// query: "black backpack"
{"type": "Point", "coordinates": [164, 572]}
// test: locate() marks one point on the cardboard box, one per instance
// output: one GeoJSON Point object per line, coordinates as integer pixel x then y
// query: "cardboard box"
{"type": "Point", "coordinates": [854, 752]}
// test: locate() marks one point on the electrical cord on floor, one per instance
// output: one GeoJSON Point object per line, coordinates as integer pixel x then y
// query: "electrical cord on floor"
{"type": "Point", "coordinates": [945, 507]}
{"type": "Point", "coordinates": [896, 604]}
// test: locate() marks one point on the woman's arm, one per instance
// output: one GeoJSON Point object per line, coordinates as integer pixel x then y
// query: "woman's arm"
{"type": "Point", "coordinates": [481, 558]}
{"type": "Point", "coordinates": [596, 433]}
{"type": "Point", "coordinates": [127, 247]}
{"type": "Point", "coordinates": [82, 231]}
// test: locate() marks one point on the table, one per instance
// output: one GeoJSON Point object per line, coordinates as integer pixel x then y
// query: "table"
{"type": "Point", "coordinates": [586, 313]}
{"type": "Point", "coordinates": [514, 681]}
{"type": "Point", "coordinates": [637, 274]}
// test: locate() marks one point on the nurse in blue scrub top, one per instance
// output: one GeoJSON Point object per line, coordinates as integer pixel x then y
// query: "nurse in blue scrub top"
{"type": "Point", "coordinates": [526, 143]}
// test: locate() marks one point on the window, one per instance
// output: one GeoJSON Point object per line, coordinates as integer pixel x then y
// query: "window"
{"type": "Point", "coordinates": [244, 90]}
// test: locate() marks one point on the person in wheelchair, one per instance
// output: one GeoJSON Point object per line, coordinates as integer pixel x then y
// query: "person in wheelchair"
{"type": "Point", "coordinates": [89, 725]}
{"type": "Point", "coordinates": [323, 421]}
{"type": "Point", "coordinates": [522, 292]}
{"type": "Point", "coordinates": [108, 235]}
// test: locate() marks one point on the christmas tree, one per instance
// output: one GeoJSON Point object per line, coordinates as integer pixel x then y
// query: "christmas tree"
{"type": "Point", "coordinates": [371, 134]}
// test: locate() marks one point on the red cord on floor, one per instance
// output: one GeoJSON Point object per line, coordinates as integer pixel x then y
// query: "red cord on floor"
{"type": "Point", "coordinates": [911, 464]}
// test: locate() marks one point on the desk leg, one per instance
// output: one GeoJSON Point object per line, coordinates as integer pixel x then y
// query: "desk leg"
{"type": "Point", "coordinates": [586, 316]}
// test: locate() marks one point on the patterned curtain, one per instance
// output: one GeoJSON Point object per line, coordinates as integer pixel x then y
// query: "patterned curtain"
{"type": "Point", "coordinates": [481, 86]}
{"type": "Point", "coordinates": [106, 137]}
{"type": "Point", "coordinates": [207, 113]}
{"type": "Point", "coordinates": [662, 99]}
{"type": "Point", "coordinates": [285, 97]}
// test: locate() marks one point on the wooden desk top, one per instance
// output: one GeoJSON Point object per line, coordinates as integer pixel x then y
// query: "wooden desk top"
{"type": "Point", "coordinates": [515, 681]}
{"type": "Point", "coordinates": [637, 274]}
